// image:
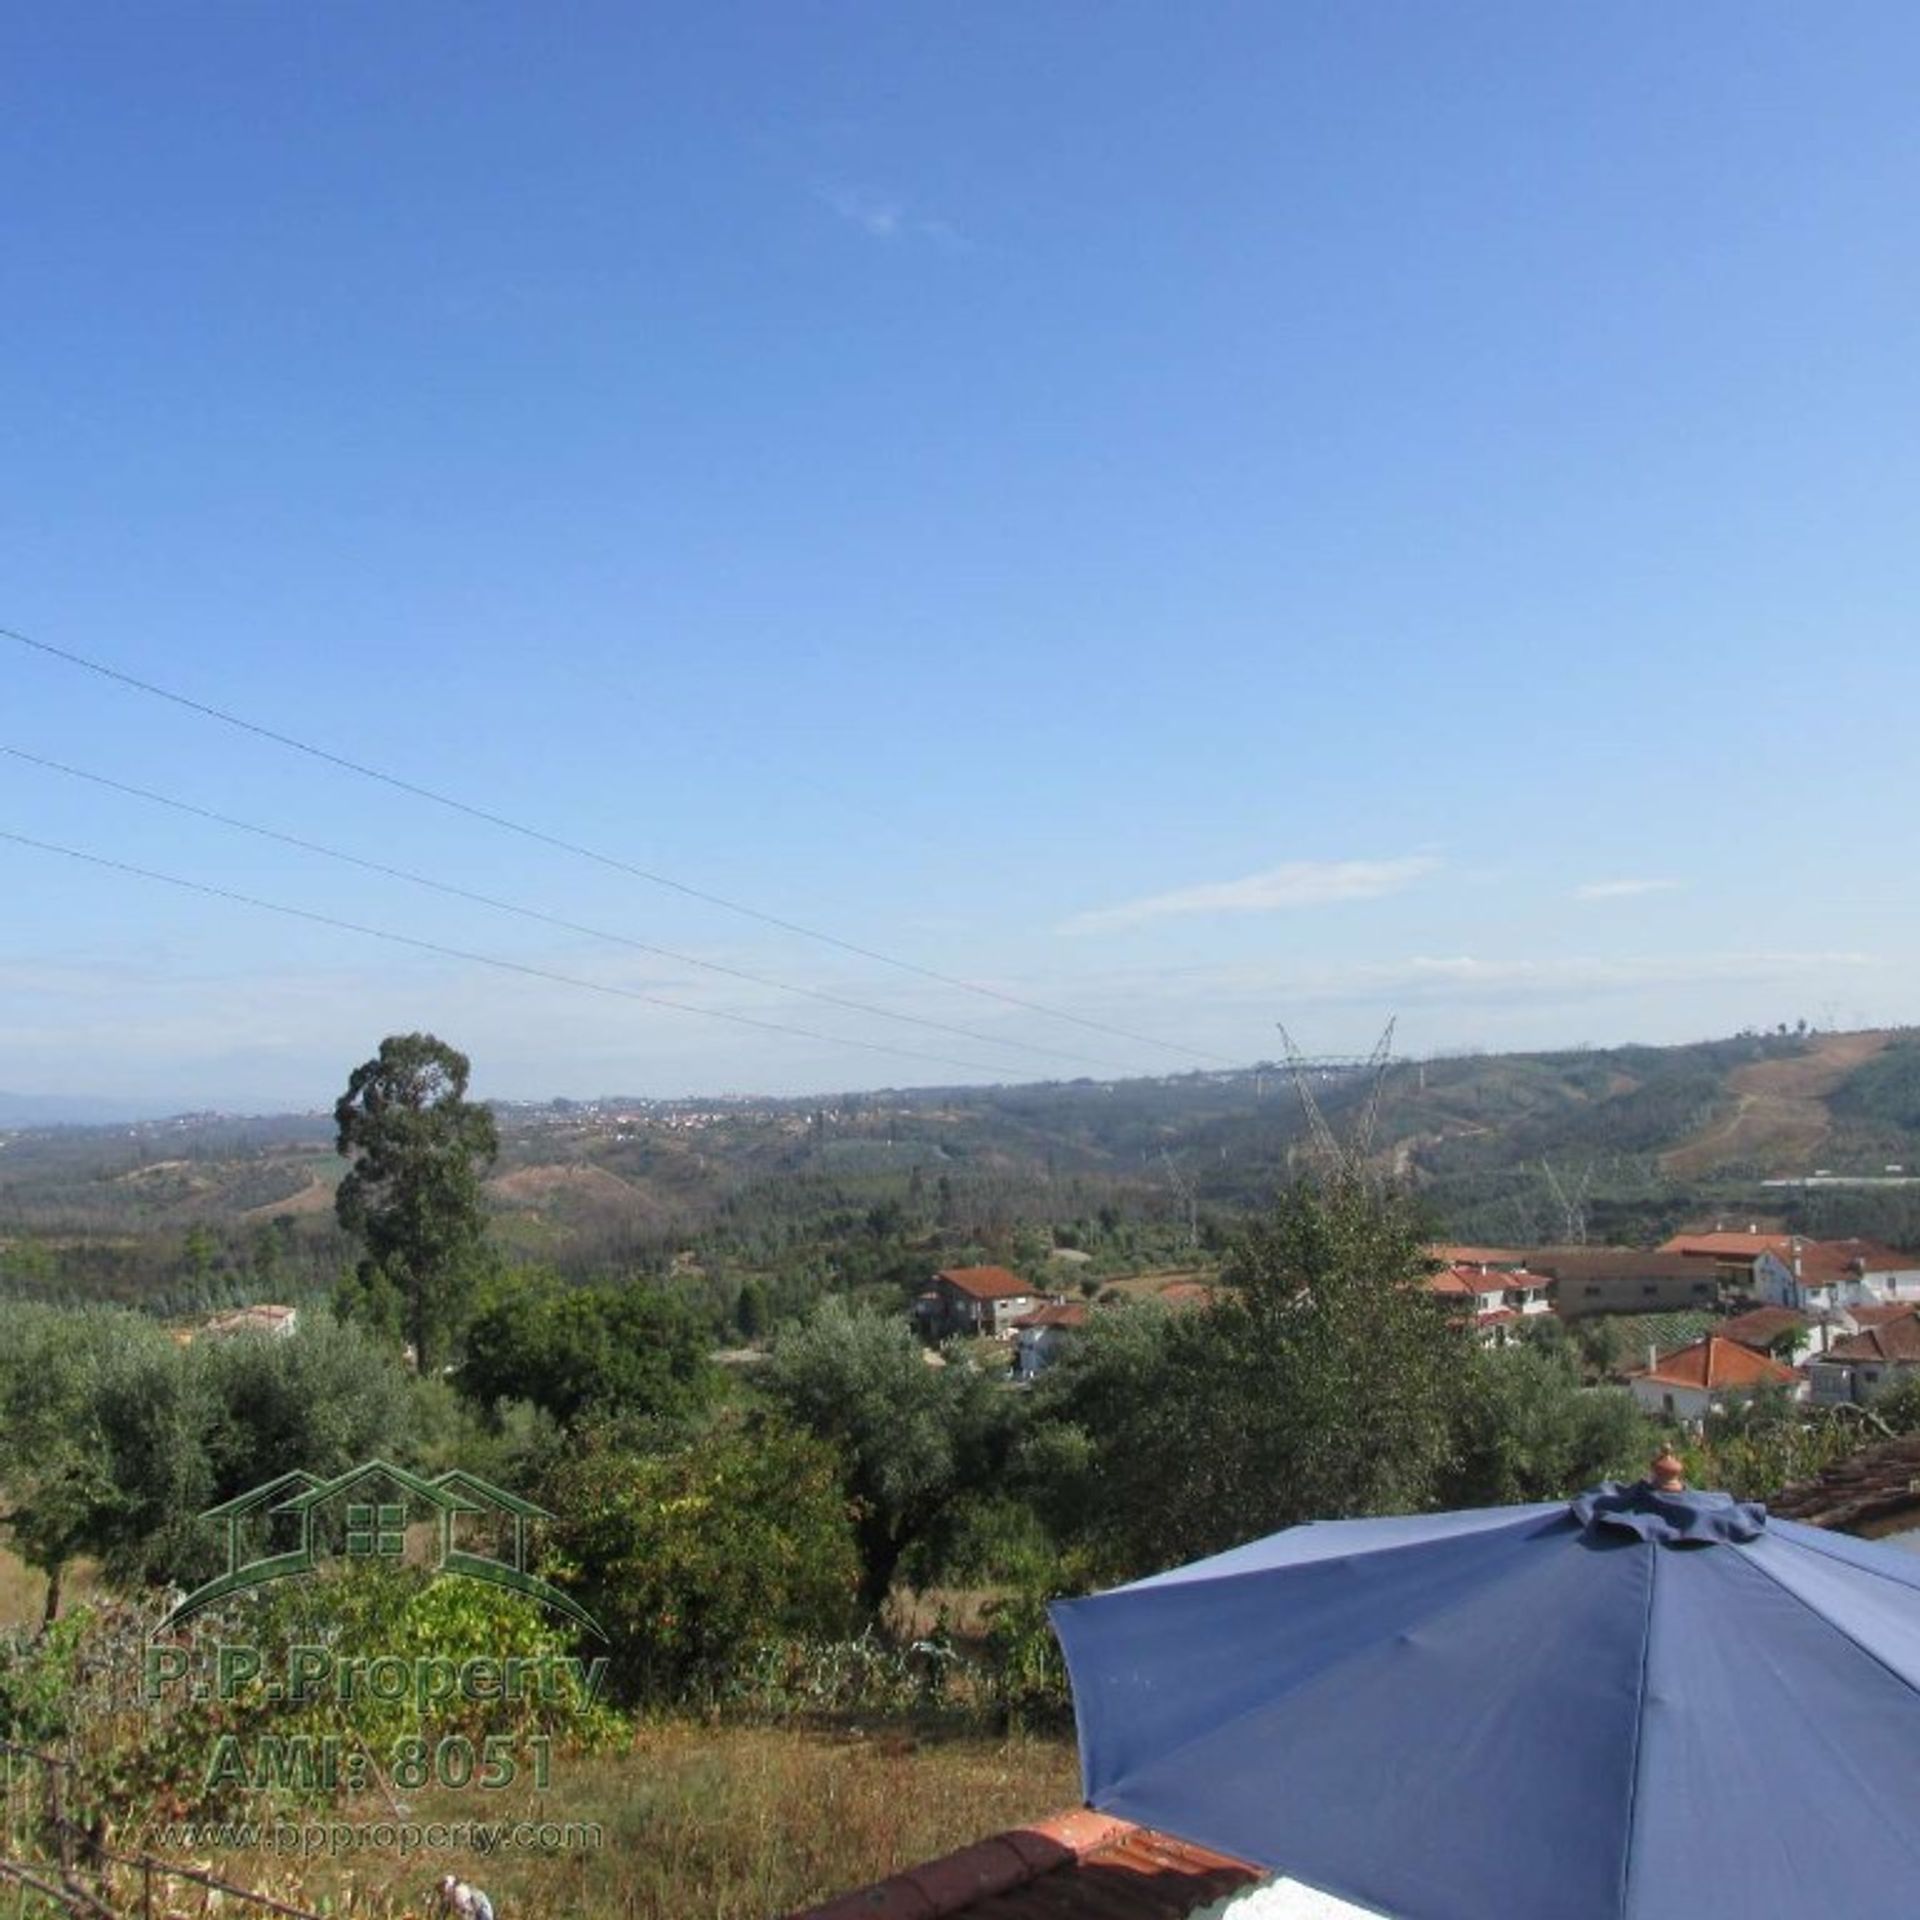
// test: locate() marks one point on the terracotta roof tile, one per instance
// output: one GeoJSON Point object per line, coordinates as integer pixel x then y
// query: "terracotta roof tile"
{"type": "Point", "coordinates": [986, 1283]}
{"type": "Point", "coordinates": [1715, 1364]}
{"type": "Point", "coordinates": [1824, 1263]}
{"type": "Point", "coordinates": [1728, 1244]}
{"type": "Point", "coordinates": [1457, 1281]}
{"type": "Point", "coordinates": [1894, 1340]}
{"type": "Point", "coordinates": [1762, 1326]}
{"type": "Point", "coordinates": [1057, 1313]}
{"type": "Point", "coordinates": [1074, 1866]}
{"type": "Point", "coordinates": [1878, 1315]}
{"type": "Point", "coordinates": [1873, 1491]}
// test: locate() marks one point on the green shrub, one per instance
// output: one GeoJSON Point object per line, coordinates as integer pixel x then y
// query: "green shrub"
{"type": "Point", "coordinates": [693, 1557]}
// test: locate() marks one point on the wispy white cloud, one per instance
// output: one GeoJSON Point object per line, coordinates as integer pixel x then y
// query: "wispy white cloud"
{"type": "Point", "coordinates": [1465, 978]}
{"type": "Point", "coordinates": [1622, 889]}
{"type": "Point", "coordinates": [885, 218]}
{"type": "Point", "coordinates": [1297, 883]}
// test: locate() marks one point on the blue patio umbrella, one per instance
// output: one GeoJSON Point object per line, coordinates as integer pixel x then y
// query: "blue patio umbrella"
{"type": "Point", "coordinates": [1644, 1705]}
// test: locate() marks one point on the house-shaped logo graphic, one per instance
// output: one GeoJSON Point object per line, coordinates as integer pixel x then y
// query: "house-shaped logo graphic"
{"type": "Point", "coordinates": [371, 1508]}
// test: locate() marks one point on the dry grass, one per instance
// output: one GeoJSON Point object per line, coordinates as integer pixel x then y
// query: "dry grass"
{"type": "Point", "coordinates": [1148, 1286]}
{"type": "Point", "coordinates": [720, 1823]}
{"type": "Point", "coordinates": [23, 1592]}
{"type": "Point", "coordinates": [914, 1614]}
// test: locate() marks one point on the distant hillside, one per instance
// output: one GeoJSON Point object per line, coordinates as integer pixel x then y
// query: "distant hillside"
{"type": "Point", "coordinates": [60, 1110]}
{"type": "Point", "coordinates": [1631, 1140]}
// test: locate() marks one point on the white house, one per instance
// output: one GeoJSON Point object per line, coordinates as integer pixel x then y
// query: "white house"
{"type": "Point", "coordinates": [976, 1300]}
{"type": "Point", "coordinates": [1695, 1381]}
{"type": "Point", "coordinates": [1825, 1276]}
{"type": "Point", "coordinates": [1781, 1333]}
{"type": "Point", "coordinates": [1497, 1299]}
{"type": "Point", "coordinates": [1852, 1371]}
{"type": "Point", "coordinates": [1038, 1336]}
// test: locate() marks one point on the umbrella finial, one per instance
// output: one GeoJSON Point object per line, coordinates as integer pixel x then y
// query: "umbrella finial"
{"type": "Point", "coordinates": [1669, 1472]}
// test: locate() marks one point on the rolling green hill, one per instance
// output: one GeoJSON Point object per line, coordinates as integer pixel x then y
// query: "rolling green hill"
{"type": "Point", "coordinates": [1502, 1147]}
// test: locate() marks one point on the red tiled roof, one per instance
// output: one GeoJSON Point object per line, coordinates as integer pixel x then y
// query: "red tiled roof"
{"type": "Point", "coordinates": [1450, 1255]}
{"type": "Point", "coordinates": [1895, 1339]}
{"type": "Point", "coordinates": [1457, 1280]}
{"type": "Point", "coordinates": [1495, 1317]}
{"type": "Point", "coordinates": [1715, 1363]}
{"type": "Point", "coordinates": [1764, 1325]}
{"type": "Point", "coordinates": [1724, 1244]}
{"type": "Point", "coordinates": [1056, 1313]}
{"type": "Point", "coordinates": [1879, 1314]}
{"type": "Point", "coordinates": [1869, 1493]}
{"type": "Point", "coordinates": [1073, 1866]}
{"type": "Point", "coordinates": [1824, 1263]}
{"type": "Point", "coordinates": [985, 1283]}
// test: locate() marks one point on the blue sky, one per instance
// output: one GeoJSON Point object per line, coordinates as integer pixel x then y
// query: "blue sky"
{"type": "Point", "coordinates": [1188, 516]}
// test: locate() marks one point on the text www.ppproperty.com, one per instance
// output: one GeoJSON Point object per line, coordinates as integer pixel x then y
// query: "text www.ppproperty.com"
{"type": "Point", "coordinates": [309, 1837]}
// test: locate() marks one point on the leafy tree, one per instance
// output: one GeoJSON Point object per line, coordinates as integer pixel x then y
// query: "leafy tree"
{"type": "Point", "coordinates": [572, 1351]}
{"type": "Point", "coordinates": [913, 1436]}
{"type": "Point", "coordinates": [116, 1439]}
{"type": "Point", "coordinates": [57, 1476]}
{"type": "Point", "coordinates": [153, 1410]}
{"type": "Point", "coordinates": [198, 1253]}
{"type": "Point", "coordinates": [1601, 1345]}
{"type": "Point", "coordinates": [752, 1311]}
{"type": "Point", "coordinates": [1324, 1383]}
{"type": "Point", "coordinates": [1754, 1444]}
{"type": "Point", "coordinates": [104, 1436]}
{"type": "Point", "coordinates": [1529, 1430]}
{"type": "Point", "coordinates": [323, 1399]}
{"type": "Point", "coordinates": [692, 1557]}
{"type": "Point", "coordinates": [412, 1195]}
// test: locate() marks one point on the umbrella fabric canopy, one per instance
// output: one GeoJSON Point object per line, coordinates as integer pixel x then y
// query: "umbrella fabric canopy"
{"type": "Point", "coordinates": [1646, 1704]}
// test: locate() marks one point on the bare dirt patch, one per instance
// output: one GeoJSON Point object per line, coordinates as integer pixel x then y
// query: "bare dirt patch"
{"type": "Point", "coordinates": [1780, 1107]}
{"type": "Point", "coordinates": [591, 1186]}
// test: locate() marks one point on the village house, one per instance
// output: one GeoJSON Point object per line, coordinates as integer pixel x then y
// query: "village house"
{"type": "Point", "coordinates": [1855, 1369]}
{"type": "Point", "coordinates": [1453, 1254]}
{"type": "Point", "coordinates": [1695, 1381]}
{"type": "Point", "coordinates": [1730, 1251]}
{"type": "Point", "coordinates": [1778, 1332]}
{"type": "Point", "coordinates": [974, 1300]}
{"type": "Point", "coordinates": [1625, 1280]}
{"type": "Point", "coordinates": [1038, 1336]}
{"type": "Point", "coordinates": [1496, 1300]}
{"type": "Point", "coordinates": [1826, 1276]}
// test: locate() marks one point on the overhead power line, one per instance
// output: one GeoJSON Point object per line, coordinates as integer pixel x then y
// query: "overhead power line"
{"type": "Point", "coordinates": [574, 847]}
{"type": "Point", "coordinates": [480, 959]}
{"type": "Point", "coordinates": [536, 914]}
